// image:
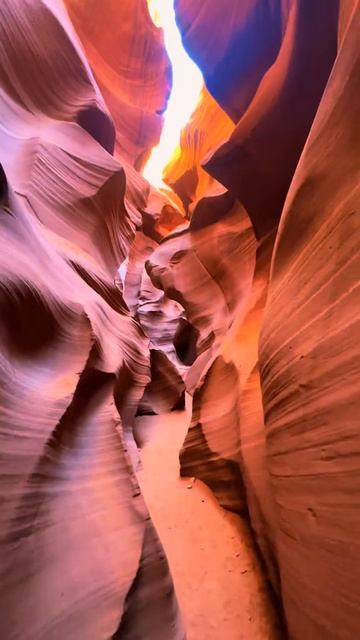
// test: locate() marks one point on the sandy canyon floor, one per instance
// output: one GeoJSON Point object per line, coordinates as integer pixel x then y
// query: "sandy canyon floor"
{"type": "Point", "coordinates": [218, 579]}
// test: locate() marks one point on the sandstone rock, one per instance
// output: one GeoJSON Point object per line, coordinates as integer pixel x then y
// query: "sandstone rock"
{"type": "Point", "coordinates": [242, 288]}
{"type": "Point", "coordinates": [78, 550]}
{"type": "Point", "coordinates": [292, 466]}
{"type": "Point", "coordinates": [131, 68]}
{"type": "Point", "coordinates": [309, 364]}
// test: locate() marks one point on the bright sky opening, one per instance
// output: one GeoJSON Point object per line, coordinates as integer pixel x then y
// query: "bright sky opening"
{"type": "Point", "coordinates": [187, 85]}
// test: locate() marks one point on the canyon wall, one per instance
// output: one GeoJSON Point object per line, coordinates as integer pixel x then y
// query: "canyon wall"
{"type": "Point", "coordinates": [79, 557]}
{"type": "Point", "coordinates": [274, 429]}
{"type": "Point", "coordinates": [131, 69]}
{"type": "Point", "coordinates": [114, 301]}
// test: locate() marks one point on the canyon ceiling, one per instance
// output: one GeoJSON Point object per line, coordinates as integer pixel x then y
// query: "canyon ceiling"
{"type": "Point", "coordinates": [239, 285]}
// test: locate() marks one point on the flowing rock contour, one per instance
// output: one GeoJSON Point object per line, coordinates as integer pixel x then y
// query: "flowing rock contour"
{"type": "Point", "coordinates": [79, 555]}
{"type": "Point", "coordinates": [274, 430]}
{"type": "Point", "coordinates": [113, 302]}
{"type": "Point", "coordinates": [275, 423]}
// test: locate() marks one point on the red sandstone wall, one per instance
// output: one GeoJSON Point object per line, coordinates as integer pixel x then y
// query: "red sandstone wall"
{"type": "Point", "coordinates": [127, 55]}
{"type": "Point", "coordinates": [274, 426]}
{"type": "Point", "coordinates": [252, 304]}
{"type": "Point", "coordinates": [79, 557]}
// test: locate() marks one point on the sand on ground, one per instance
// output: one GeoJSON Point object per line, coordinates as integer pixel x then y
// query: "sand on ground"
{"type": "Point", "coordinates": [219, 584]}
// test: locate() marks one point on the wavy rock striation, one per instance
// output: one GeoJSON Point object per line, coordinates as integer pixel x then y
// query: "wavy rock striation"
{"type": "Point", "coordinates": [79, 555]}
{"type": "Point", "coordinates": [131, 68]}
{"type": "Point", "coordinates": [113, 302]}
{"type": "Point", "coordinates": [158, 316]}
{"type": "Point", "coordinates": [275, 381]}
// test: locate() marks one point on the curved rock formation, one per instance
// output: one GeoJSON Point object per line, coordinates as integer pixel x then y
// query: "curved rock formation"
{"type": "Point", "coordinates": [309, 363]}
{"type": "Point", "coordinates": [158, 315]}
{"type": "Point", "coordinates": [191, 267]}
{"type": "Point", "coordinates": [294, 465]}
{"type": "Point", "coordinates": [133, 73]}
{"type": "Point", "coordinates": [114, 301]}
{"type": "Point", "coordinates": [78, 550]}
{"type": "Point", "coordinates": [208, 128]}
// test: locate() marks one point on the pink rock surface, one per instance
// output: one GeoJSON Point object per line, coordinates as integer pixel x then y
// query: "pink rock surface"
{"type": "Point", "coordinates": [274, 423]}
{"type": "Point", "coordinates": [309, 364]}
{"type": "Point", "coordinates": [113, 302]}
{"type": "Point", "coordinates": [79, 555]}
{"type": "Point", "coordinates": [158, 315]}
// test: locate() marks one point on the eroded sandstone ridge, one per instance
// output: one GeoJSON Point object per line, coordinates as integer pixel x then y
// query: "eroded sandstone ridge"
{"type": "Point", "coordinates": [275, 319]}
{"type": "Point", "coordinates": [79, 555]}
{"type": "Point", "coordinates": [114, 301]}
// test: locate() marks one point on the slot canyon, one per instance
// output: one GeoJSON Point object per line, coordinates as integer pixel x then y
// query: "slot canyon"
{"type": "Point", "coordinates": [180, 319]}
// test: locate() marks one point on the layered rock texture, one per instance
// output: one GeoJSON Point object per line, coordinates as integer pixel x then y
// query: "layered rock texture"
{"type": "Point", "coordinates": [114, 302]}
{"type": "Point", "coordinates": [79, 555]}
{"type": "Point", "coordinates": [275, 415]}
{"type": "Point", "coordinates": [131, 68]}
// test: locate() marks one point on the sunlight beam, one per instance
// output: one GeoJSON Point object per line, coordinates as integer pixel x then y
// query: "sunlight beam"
{"type": "Point", "coordinates": [186, 89]}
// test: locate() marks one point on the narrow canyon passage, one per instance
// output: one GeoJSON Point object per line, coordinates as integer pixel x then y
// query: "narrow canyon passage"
{"type": "Point", "coordinates": [179, 320]}
{"type": "Point", "coordinates": [218, 579]}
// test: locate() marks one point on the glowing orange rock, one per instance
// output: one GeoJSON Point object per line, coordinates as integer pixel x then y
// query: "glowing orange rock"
{"type": "Point", "coordinates": [274, 426]}
{"type": "Point", "coordinates": [208, 128]}
{"type": "Point", "coordinates": [130, 66]}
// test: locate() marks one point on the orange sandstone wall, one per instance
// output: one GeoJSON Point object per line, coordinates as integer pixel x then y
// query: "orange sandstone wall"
{"type": "Point", "coordinates": [127, 55]}
{"type": "Point", "coordinates": [251, 303]}
{"type": "Point", "coordinates": [275, 372]}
